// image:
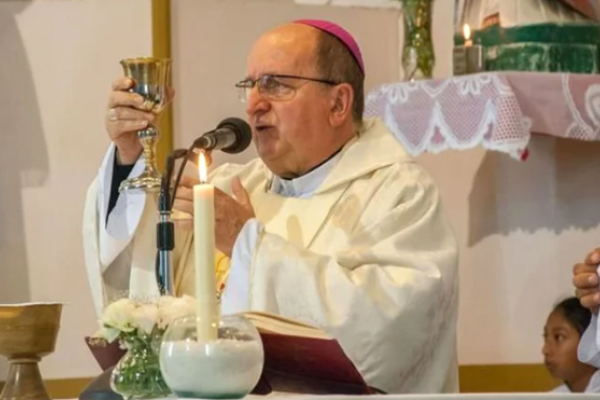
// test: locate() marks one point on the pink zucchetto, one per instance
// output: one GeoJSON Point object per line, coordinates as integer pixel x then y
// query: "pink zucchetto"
{"type": "Point", "coordinates": [340, 33]}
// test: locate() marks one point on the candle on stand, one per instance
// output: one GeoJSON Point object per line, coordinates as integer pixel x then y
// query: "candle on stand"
{"type": "Point", "coordinates": [459, 55]}
{"type": "Point", "coordinates": [467, 35]}
{"type": "Point", "coordinates": [468, 59]}
{"type": "Point", "coordinates": [204, 246]}
{"type": "Point", "coordinates": [474, 53]}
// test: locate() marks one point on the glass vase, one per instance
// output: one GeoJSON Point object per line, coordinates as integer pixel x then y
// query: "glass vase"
{"type": "Point", "coordinates": [227, 365]}
{"type": "Point", "coordinates": [418, 57]}
{"type": "Point", "coordinates": [137, 375]}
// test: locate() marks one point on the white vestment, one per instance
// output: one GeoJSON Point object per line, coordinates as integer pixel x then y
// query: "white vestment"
{"type": "Point", "coordinates": [589, 345]}
{"type": "Point", "coordinates": [369, 258]}
{"type": "Point", "coordinates": [593, 385]}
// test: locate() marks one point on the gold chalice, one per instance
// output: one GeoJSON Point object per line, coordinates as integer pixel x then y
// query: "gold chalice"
{"type": "Point", "coordinates": [28, 332]}
{"type": "Point", "coordinates": [151, 78]}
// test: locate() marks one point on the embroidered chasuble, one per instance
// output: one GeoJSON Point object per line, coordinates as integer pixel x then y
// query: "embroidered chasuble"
{"type": "Point", "coordinates": [366, 255]}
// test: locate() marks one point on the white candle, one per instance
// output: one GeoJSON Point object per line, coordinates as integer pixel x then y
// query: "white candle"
{"type": "Point", "coordinates": [467, 35]}
{"type": "Point", "coordinates": [204, 246]}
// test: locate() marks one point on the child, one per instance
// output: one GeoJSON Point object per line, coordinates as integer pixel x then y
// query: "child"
{"type": "Point", "coordinates": [564, 327]}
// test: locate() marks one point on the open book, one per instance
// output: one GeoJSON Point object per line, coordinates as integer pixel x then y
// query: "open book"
{"type": "Point", "coordinates": [303, 359]}
{"type": "Point", "coordinates": [298, 359]}
{"type": "Point", "coordinates": [276, 324]}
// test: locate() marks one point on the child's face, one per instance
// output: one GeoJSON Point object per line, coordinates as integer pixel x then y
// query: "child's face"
{"type": "Point", "coordinates": [560, 348]}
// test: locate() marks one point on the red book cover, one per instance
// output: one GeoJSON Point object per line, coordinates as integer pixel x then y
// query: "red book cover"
{"type": "Point", "coordinates": [308, 365]}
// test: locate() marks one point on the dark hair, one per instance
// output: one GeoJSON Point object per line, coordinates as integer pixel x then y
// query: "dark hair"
{"type": "Point", "coordinates": [336, 63]}
{"type": "Point", "coordinates": [577, 315]}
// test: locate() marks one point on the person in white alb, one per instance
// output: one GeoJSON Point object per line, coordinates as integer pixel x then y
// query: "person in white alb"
{"type": "Point", "coordinates": [334, 225]}
{"type": "Point", "coordinates": [587, 284]}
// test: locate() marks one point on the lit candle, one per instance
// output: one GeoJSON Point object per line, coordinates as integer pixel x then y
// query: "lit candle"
{"type": "Point", "coordinates": [204, 246]}
{"type": "Point", "coordinates": [468, 59]}
{"type": "Point", "coordinates": [467, 35]}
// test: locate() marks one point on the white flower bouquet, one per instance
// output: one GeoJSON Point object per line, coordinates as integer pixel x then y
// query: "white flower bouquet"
{"type": "Point", "coordinates": [129, 318]}
{"type": "Point", "coordinates": [139, 326]}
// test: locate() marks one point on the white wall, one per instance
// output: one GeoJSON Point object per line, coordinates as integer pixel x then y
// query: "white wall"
{"type": "Point", "coordinates": [521, 226]}
{"type": "Point", "coordinates": [58, 61]}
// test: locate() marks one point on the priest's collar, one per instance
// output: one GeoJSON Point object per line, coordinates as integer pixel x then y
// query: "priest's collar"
{"type": "Point", "coordinates": [304, 186]}
{"type": "Point", "coordinates": [374, 148]}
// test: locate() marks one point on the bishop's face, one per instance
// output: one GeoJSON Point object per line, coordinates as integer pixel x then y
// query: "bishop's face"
{"type": "Point", "coordinates": [289, 116]}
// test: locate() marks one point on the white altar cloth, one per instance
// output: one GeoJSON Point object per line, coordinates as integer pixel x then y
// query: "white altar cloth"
{"type": "Point", "coordinates": [498, 111]}
{"type": "Point", "coordinates": [474, 396]}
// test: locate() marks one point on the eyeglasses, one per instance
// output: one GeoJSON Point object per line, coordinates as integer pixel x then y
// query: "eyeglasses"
{"type": "Point", "coordinates": [274, 87]}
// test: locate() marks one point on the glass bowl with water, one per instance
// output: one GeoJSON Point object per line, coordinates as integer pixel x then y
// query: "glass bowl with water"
{"type": "Point", "coordinates": [226, 364]}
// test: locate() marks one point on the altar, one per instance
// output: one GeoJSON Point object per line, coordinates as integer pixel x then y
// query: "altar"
{"type": "Point", "coordinates": [516, 396]}
{"type": "Point", "coordinates": [498, 111]}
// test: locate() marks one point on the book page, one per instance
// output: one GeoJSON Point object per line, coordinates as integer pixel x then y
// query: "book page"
{"type": "Point", "coordinates": [272, 323]}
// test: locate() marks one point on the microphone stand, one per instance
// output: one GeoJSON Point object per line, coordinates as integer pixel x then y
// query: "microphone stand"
{"type": "Point", "coordinates": [165, 230]}
{"type": "Point", "coordinates": [165, 240]}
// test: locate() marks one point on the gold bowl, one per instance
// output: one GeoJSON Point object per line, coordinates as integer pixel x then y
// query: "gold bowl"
{"type": "Point", "coordinates": [28, 332]}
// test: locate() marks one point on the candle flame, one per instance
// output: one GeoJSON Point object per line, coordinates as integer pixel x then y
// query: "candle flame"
{"type": "Point", "coordinates": [202, 173]}
{"type": "Point", "coordinates": [467, 31]}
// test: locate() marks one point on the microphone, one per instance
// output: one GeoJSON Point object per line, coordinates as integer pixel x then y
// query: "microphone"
{"type": "Point", "coordinates": [233, 135]}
